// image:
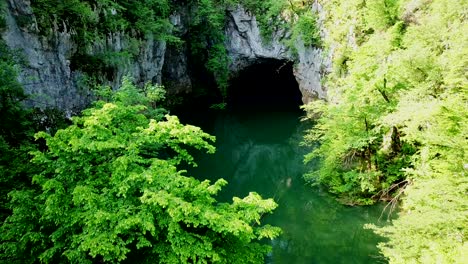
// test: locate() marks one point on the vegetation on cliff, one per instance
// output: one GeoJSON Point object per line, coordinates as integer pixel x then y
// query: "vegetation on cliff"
{"type": "Point", "coordinates": [395, 126]}
{"type": "Point", "coordinates": [91, 22]}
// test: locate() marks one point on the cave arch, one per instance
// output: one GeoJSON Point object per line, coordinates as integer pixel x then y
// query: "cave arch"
{"type": "Point", "coordinates": [265, 85]}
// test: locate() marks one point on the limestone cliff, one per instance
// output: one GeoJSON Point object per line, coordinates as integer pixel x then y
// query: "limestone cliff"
{"type": "Point", "coordinates": [245, 47]}
{"type": "Point", "coordinates": [50, 77]}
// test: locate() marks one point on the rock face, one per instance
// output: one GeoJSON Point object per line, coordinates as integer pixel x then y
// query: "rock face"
{"type": "Point", "coordinates": [246, 47]}
{"type": "Point", "coordinates": [244, 41]}
{"type": "Point", "coordinates": [175, 69]}
{"type": "Point", "coordinates": [47, 74]}
{"type": "Point", "coordinates": [52, 82]}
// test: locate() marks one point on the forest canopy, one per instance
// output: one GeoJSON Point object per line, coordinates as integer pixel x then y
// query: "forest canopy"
{"type": "Point", "coordinates": [396, 123]}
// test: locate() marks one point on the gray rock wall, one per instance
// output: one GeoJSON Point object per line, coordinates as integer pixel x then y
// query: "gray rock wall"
{"type": "Point", "coordinates": [47, 75]}
{"type": "Point", "coordinates": [176, 69]}
{"type": "Point", "coordinates": [245, 47]}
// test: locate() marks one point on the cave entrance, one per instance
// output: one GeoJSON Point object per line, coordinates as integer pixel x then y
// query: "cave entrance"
{"type": "Point", "coordinates": [267, 85]}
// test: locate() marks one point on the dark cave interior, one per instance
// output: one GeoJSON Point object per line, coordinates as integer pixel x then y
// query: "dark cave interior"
{"type": "Point", "coordinates": [267, 85]}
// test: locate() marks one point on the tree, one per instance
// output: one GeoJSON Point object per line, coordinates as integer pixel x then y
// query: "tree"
{"type": "Point", "coordinates": [361, 156]}
{"type": "Point", "coordinates": [432, 226]}
{"type": "Point", "coordinates": [109, 191]}
{"type": "Point", "coordinates": [15, 128]}
{"type": "Point", "coordinates": [398, 112]}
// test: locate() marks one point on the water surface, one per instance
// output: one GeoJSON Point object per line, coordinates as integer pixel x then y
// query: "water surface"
{"type": "Point", "coordinates": [259, 151]}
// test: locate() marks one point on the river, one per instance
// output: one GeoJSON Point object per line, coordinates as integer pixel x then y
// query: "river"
{"type": "Point", "coordinates": [259, 151]}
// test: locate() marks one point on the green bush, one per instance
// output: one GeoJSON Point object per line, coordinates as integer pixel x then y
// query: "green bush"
{"type": "Point", "coordinates": [107, 189]}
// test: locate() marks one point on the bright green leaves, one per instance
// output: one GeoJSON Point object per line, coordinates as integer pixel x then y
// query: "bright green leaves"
{"type": "Point", "coordinates": [233, 224]}
{"type": "Point", "coordinates": [398, 119]}
{"type": "Point", "coordinates": [381, 14]}
{"type": "Point", "coordinates": [349, 143]}
{"type": "Point", "coordinates": [435, 217]}
{"type": "Point", "coordinates": [361, 155]}
{"type": "Point", "coordinates": [109, 191]}
{"type": "Point", "coordinates": [433, 226]}
{"type": "Point", "coordinates": [172, 133]}
{"type": "Point", "coordinates": [306, 29]}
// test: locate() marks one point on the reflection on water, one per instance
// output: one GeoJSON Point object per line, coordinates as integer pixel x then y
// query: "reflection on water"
{"type": "Point", "coordinates": [260, 152]}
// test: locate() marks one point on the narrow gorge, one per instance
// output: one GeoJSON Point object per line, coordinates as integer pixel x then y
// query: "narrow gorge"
{"type": "Point", "coordinates": [233, 131]}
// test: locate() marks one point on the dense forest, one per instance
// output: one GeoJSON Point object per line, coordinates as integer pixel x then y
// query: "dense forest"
{"type": "Point", "coordinates": [395, 126]}
{"type": "Point", "coordinates": [109, 185]}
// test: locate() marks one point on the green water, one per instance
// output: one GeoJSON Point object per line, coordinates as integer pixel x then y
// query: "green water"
{"type": "Point", "coordinates": [259, 151]}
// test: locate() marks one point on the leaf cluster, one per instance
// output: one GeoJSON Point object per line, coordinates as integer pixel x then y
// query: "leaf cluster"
{"type": "Point", "coordinates": [108, 190]}
{"type": "Point", "coordinates": [396, 118]}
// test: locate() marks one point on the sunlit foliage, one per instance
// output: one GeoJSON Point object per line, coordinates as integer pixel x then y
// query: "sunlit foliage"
{"type": "Point", "coordinates": [108, 190]}
{"type": "Point", "coordinates": [395, 125]}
